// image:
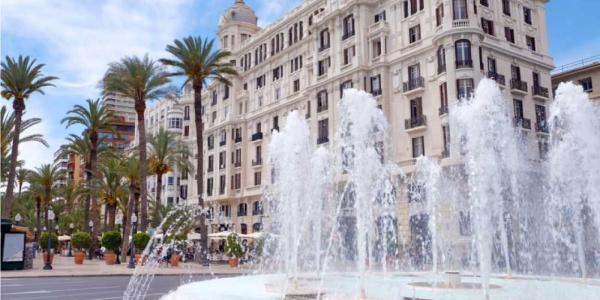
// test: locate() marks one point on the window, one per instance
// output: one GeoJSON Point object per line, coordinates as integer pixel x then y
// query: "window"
{"type": "Point", "coordinates": [323, 131]}
{"type": "Point", "coordinates": [324, 39]}
{"type": "Point", "coordinates": [540, 118]}
{"type": "Point", "coordinates": [222, 185]}
{"type": "Point", "coordinates": [413, 6]}
{"type": "Point", "coordinates": [441, 59]}
{"type": "Point", "coordinates": [509, 33]}
{"type": "Point", "coordinates": [515, 72]}
{"type": "Point", "coordinates": [225, 92]}
{"type": "Point", "coordinates": [586, 83]}
{"type": "Point", "coordinates": [446, 138]}
{"type": "Point", "coordinates": [376, 45]}
{"type": "Point", "coordinates": [530, 43]}
{"type": "Point", "coordinates": [260, 81]}
{"type": "Point", "coordinates": [307, 109]}
{"type": "Point", "coordinates": [414, 34]}
{"type": "Point", "coordinates": [170, 180]}
{"type": "Point", "coordinates": [416, 111]}
{"type": "Point", "coordinates": [348, 55]}
{"type": "Point", "coordinates": [439, 15]}
{"type": "Point", "coordinates": [459, 9]}
{"type": "Point", "coordinates": [484, 3]}
{"type": "Point", "coordinates": [323, 66]}
{"type": "Point", "coordinates": [183, 190]}
{"type": "Point", "coordinates": [443, 98]}
{"type": "Point", "coordinates": [376, 85]}
{"type": "Point", "coordinates": [295, 64]}
{"type": "Point", "coordinates": [277, 73]}
{"type": "Point", "coordinates": [491, 66]}
{"type": "Point", "coordinates": [225, 211]}
{"type": "Point", "coordinates": [527, 15]}
{"type": "Point", "coordinates": [257, 156]}
{"type": "Point", "coordinates": [506, 7]}
{"type": "Point", "coordinates": [296, 85]}
{"type": "Point", "coordinates": [418, 147]}
{"type": "Point", "coordinates": [256, 210]}
{"type": "Point", "coordinates": [210, 141]}
{"type": "Point", "coordinates": [322, 104]}
{"type": "Point", "coordinates": [214, 98]}
{"type": "Point", "coordinates": [487, 26]}
{"type": "Point", "coordinates": [464, 88]}
{"type": "Point", "coordinates": [186, 113]}
{"type": "Point", "coordinates": [463, 54]}
{"type": "Point", "coordinates": [186, 130]}
{"type": "Point", "coordinates": [345, 85]}
{"type": "Point", "coordinates": [236, 181]}
{"type": "Point", "coordinates": [174, 122]}
{"type": "Point", "coordinates": [209, 186]}
{"type": "Point", "coordinates": [222, 160]}
{"type": "Point", "coordinates": [242, 209]}
{"type": "Point", "coordinates": [256, 178]}
{"type": "Point", "coordinates": [348, 27]}
{"type": "Point", "coordinates": [536, 80]}
{"type": "Point", "coordinates": [380, 17]}
{"type": "Point", "coordinates": [518, 109]}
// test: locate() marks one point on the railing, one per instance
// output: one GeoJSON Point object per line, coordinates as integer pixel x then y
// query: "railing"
{"type": "Point", "coordinates": [467, 63]}
{"type": "Point", "coordinates": [443, 110]}
{"type": "Point", "coordinates": [540, 91]}
{"type": "Point", "coordinates": [322, 140]}
{"type": "Point", "coordinates": [517, 84]}
{"type": "Point", "coordinates": [222, 143]}
{"type": "Point", "coordinates": [257, 136]}
{"type": "Point", "coordinates": [416, 121]}
{"type": "Point", "coordinates": [414, 83]}
{"type": "Point", "coordinates": [321, 108]}
{"type": "Point", "coordinates": [541, 127]}
{"type": "Point", "coordinates": [441, 68]}
{"type": "Point", "coordinates": [347, 35]}
{"type": "Point", "coordinates": [522, 122]}
{"type": "Point", "coordinates": [242, 213]}
{"type": "Point", "coordinates": [499, 78]}
{"type": "Point", "coordinates": [257, 162]}
{"type": "Point", "coordinates": [237, 164]}
{"type": "Point", "coordinates": [210, 169]}
{"type": "Point", "coordinates": [238, 139]}
{"type": "Point", "coordinates": [460, 23]}
{"type": "Point", "coordinates": [577, 64]}
{"type": "Point", "coordinates": [257, 212]}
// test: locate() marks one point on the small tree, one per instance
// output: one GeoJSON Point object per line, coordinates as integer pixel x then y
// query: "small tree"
{"type": "Point", "coordinates": [233, 247]}
{"type": "Point", "coordinates": [140, 240]}
{"type": "Point", "coordinates": [111, 240]}
{"type": "Point", "coordinates": [43, 241]}
{"type": "Point", "coordinates": [81, 240]}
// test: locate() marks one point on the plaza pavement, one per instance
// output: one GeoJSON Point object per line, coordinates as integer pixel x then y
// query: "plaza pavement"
{"type": "Point", "coordinates": [66, 267]}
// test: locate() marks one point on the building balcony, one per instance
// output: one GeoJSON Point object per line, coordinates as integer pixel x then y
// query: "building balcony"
{"type": "Point", "coordinates": [238, 139]}
{"type": "Point", "coordinates": [322, 140]}
{"type": "Point", "coordinates": [443, 110]}
{"type": "Point", "coordinates": [518, 86]}
{"type": "Point", "coordinates": [237, 164]}
{"type": "Point", "coordinates": [464, 64]}
{"type": "Point", "coordinates": [414, 85]}
{"type": "Point", "coordinates": [257, 162]}
{"type": "Point", "coordinates": [257, 136]}
{"type": "Point", "coordinates": [461, 23]}
{"type": "Point", "coordinates": [522, 122]}
{"type": "Point", "coordinates": [499, 78]}
{"type": "Point", "coordinates": [416, 122]}
{"type": "Point", "coordinates": [541, 127]}
{"type": "Point", "coordinates": [381, 26]}
{"type": "Point", "coordinates": [257, 212]}
{"type": "Point", "coordinates": [540, 92]}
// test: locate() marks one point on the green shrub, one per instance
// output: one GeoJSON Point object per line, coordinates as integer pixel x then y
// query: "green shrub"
{"type": "Point", "coordinates": [111, 240]}
{"type": "Point", "coordinates": [43, 241]}
{"type": "Point", "coordinates": [81, 240]}
{"type": "Point", "coordinates": [140, 240]}
{"type": "Point", "coordinates": [233, 247]}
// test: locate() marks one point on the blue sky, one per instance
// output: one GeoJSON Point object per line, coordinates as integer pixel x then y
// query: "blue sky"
{"type": "Point", "coordinates": [76, 39]}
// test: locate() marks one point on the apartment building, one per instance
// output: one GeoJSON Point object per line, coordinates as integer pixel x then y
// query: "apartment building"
{"type": "Point", "coordinates": [585, 73]}
{"type": "Point", "coordinates": [416, 57]}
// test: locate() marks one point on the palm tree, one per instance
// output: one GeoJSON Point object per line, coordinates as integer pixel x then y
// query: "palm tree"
{"type": "Point", "coordinates": [7, 128]}
{"type": "Point", "coordinates": [166, 153]}
{"type": "Point", "coordinates": [130, 169]}
{"type": "Point", "coordinates": [20, 79]}
{"type": "Point", "coordinates": [70, 193]}
{"type": "Point", "coordinates": [196, 60]}
{"type": "Point", "coordinates": [140, 79]}
{"type": "Point", "coordinates": [44, 177]}
{"type": "Point", "coordinates": [81, 146]}
{"type": "Point", "coordinates": [26, 207]}
{"type": "Point", "coordinates": [22, 175]}
{"type": "Point", "coordinates": [94, 117]}
{"type": "Point", "coordinates": [110, 187]}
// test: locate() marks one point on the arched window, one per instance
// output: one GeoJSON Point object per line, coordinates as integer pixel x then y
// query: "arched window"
{"type": "Point", "coordinates": [463, 54]}
{"type": "Point", "coordinates": [244, 228]}
{"type": "Point", "coordinates": [441, 59]}
{"type": "Point", "coordinates": [459, 9]}
{"type": "Point", "coordinates": [256, 208]}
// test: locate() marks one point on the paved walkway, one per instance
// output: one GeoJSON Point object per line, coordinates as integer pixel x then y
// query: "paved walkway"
{"type": "Point", "coordinates": [66, 267]}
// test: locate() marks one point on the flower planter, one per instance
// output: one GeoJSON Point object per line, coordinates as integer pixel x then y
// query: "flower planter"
{"type": "Point", "coordinates": [174, 260]}
{"type": "Point", "coordinates": [233, 262]}
{"type": "Point", "coordinates": [138, 257]}
{"type": "Point", "coordinates": [110, 258]}
{"type": "Point", "coordinates": [79, 257]}
{"type": "Point", "coordinates": [47, 257]}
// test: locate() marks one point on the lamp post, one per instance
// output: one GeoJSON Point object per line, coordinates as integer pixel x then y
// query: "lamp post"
{"type": "Point", "coordinates": [18, 218]}
{"type": "Point", "coordinates": [48, 263]}
{"type": "Point", "coordinates": [70, 254]}
{"type": "Point", "coordinates": [91, 225]}
{"type": "Point", "coordinates": [131, 264]}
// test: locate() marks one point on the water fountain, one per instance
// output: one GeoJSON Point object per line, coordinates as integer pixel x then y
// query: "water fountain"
{"type": "Point", "coordinates": [497, 224]}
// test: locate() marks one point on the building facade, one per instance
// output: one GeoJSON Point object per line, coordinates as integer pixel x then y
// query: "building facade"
{"type": "Point", "coordinates": [417, 58]}
{"type": "Point", "coordinates": [585, 73]}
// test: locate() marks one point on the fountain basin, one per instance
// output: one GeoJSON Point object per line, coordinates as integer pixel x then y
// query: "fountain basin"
{"type": "Point", "coordinates": [403, 286]}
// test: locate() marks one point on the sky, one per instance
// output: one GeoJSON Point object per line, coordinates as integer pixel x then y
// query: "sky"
{"type": "Point", "coordinates": [76, 39]}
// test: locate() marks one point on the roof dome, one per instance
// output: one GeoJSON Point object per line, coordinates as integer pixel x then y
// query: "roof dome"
{"type": "Point", "coordinates": [238, 12]}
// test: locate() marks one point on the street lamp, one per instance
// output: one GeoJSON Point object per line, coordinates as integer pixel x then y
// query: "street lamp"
{"type": "Point", "coordinates": [48, 263]}
{"type": "Point", "coordinates": [91, 225]}
{"type": "Point", "coordinates": [70, 254]}
{"type": "Point", "coordinates": [131, 264]}
{"type": "Point", "coordinates": [18, 218]}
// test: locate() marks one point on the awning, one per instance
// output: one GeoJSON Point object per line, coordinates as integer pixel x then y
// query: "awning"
{"type": "Point", "coordinates": [219, 235]}
{"type": "Point", "coordinates": [254, 235]}
{"type": "Point", "coordinates": [192, 236]}
{"type": "Point", "coordinates": [63, 238]}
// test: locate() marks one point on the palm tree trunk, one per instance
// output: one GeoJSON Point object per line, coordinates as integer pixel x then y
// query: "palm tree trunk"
{"type": "Point", "coordinates": [95, 209]}
{"type": "Point", "coordinates": [157, 203]}
{"type": "Point", "coordinates": [127, 223]}
{"type": "Point", "coordinates": [38, 213]}
{"type": "Point", "coordinates": [112, 216]}
{"type": "Point", "coordinates": [19, 107]}
{"type": "Point", "coordinates": [20, 188]}
{"type": "Point", "coordinates": [105, 216]}
{"type": "Point", "coordinates": [88, 197]}
{"type": "Point", "coordinates": [140, 107]}
{"type": "Point", "coordinates": [197, 85]}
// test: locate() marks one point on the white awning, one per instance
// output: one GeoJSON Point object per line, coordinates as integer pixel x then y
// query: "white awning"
{"type": "Point", "coordinates": [219, 235]}
{"type": "Point", "coordinates": [63, 238]}
{"type": "Point", "coordinates": [192, 236]}
{"type": "Point", "coordinates": [254, 235]}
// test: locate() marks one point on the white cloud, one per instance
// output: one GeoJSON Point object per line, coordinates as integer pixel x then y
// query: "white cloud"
{"type": "Point", "coordinates": [271, 10]}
